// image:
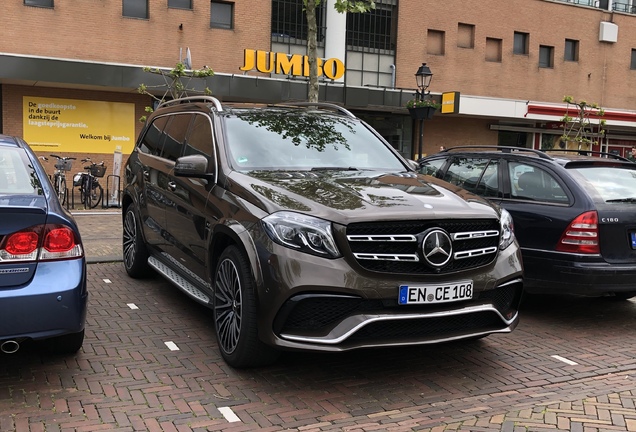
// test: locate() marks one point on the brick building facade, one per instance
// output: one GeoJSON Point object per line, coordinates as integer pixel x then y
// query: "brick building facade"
{"type": "Point", "coordinates": [512, 62]}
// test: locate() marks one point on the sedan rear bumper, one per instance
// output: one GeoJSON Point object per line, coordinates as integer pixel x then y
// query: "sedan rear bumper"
{"type": "Point", "coordinates": [52, 303]}
{"type": "Point", "coordinates": [576, 275]}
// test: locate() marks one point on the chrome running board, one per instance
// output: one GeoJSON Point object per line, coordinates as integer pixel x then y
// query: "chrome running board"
{"type": "Point", "coordinates": [179, 281]}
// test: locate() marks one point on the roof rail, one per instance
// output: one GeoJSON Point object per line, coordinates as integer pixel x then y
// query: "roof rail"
{"type": "Point", "coordinates": [505, 149]}
{"type": "Point", "coordinates": [589, 153]}
{"type": "Point", "coordinates": [322, 105]}
{"type": "Point", "coordinates": [215, 101]}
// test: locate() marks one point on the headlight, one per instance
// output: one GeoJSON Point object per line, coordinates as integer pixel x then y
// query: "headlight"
{"type": "Point", "coordinates": [507, 230]}
{"type": "Point", "coordinates": [301, 232]}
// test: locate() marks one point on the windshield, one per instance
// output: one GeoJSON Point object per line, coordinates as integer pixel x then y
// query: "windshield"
{"type": "Point", "coordinates": [610, 182]}
{"type": "Point", "coordinates": [302, 140]}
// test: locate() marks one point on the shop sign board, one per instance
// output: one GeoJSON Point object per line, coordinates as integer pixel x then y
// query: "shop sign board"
{"type": "Point", "coordinates": [290, 64]}
{"type": "Point", "coordinates": [78, 126]}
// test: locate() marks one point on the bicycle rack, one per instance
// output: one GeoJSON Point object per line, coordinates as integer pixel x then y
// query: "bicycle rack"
{"type": "Point", "coordinates": [115, 200]}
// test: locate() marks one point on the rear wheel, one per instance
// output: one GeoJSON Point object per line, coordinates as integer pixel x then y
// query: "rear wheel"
{"type": "Point", "coordinates": [95, 196]}
{"type": "Point", "coordinates": [134, 248]}
{"type": "Point", "coordinates": [234, 310]}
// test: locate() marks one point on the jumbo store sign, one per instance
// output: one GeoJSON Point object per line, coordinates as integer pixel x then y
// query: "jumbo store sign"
{"type": "Point", "coordinates": [290, 64]}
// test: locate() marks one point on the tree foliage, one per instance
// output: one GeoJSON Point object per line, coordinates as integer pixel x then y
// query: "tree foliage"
{"type": "Point", "coordinates": [311, 130]}
{"type": "Point", "coordinates": [342, 6]}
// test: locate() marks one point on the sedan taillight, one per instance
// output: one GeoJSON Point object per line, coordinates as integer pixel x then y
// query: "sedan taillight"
{"type": "Point", "coordinates": [581, 236]}
{"type": "Point", "coordinates": [41, 242]}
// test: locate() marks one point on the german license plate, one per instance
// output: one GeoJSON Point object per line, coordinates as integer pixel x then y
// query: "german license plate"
{"type": "Point", "coordinates": [633, 237]}
{"type": "Point", "coordinates": [429, 294]}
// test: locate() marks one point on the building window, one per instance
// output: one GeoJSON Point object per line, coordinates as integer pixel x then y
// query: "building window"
{"type": "Point", "coordinates": [465, 35]}
{"type": "Point", "coordinates": [435, 40]}
{"type": "Point", "coordinates": [493, 50]}
{"type": "Point", "coordinates": [289, 22]}
{"type": "Point", "coordinates": [373, 30]}
{"type": "Point", "coordinates": [180, 4]}
{"type": "Point", "coordinates": [221, 15]}
{"type": "Point", "coordinates": [632, 64]}
{"type": "Point", "coordinates": [135, 8]}
{"type": "Point", "coordinates": [39, 3]}
{"type": "Point", "coordinates": [521, 43]}
{"type": "Point", "coordinates": [571, 50]}
{"type": "Point", "coordinates": [546, 56]}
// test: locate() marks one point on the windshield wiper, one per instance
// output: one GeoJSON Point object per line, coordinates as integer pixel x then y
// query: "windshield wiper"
{"type": "Point", "coordinates": [334, 169]}
{"type": "Point", "coordinates": [628, 200]}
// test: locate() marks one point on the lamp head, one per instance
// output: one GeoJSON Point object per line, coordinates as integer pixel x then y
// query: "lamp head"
{"type": "Point", "coordinates": [423, 77]}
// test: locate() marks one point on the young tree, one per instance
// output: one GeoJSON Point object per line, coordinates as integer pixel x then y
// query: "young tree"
{"type": "Point", "coordinates": [577, 123]}
{"type": "Point", "coordinates": [342, 6]}
{"type": "Point", "coordinates": [176, 83]}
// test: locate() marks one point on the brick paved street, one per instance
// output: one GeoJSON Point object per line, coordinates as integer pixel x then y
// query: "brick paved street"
{"type": "Point", "coordinates": [127, 378]}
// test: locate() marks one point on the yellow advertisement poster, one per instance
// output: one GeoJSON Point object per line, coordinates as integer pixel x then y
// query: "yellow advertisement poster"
{"type": "Point", "coordinates": [78, 126]}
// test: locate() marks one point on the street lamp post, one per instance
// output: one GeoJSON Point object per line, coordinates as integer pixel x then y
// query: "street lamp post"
{"type": "Point", "coordinates": [423, 78]}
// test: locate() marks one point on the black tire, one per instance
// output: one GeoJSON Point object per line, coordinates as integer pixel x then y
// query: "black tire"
{"type": "Point", "coordinates": [67, 344]}
{"type": "Point", "coordinates": [96, 195]}
{"type": "Point", "coordinates": [234, 310]}
{"type": "Point", "coordinates": [134, 250]}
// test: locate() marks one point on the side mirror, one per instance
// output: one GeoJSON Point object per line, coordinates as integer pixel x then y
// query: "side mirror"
{"type": "Point", "coordinates": [414, 165]}
{"type": "Point", "coordinates": [191, 166]}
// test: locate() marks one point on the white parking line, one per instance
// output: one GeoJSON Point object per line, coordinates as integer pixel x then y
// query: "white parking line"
{"type": "Point", "coordinates": [132, 305]}
{"type": "Point", "coordinates": [229, 414]}
{"type": "Point", "coordinates": [172, 346]}
{"type": "Point", "coordinates": [564, 360]}
{"type": "Point", "coordinates": [107, 281]}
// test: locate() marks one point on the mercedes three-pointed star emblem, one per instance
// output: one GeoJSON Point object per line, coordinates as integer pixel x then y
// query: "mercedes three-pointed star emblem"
{"type": "Point", "coordinates": [437, 248]}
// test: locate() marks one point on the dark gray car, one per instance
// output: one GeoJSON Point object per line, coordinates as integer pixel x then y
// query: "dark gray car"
{"type": "Point", "coordinates": [301, 228]}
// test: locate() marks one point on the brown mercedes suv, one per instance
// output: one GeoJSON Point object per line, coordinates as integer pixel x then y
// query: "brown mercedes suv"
{"type": "Point", "coordinates": [301, 228]}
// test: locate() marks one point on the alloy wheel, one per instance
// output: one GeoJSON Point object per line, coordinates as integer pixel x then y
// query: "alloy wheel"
{"type": "Point", "coordinates": [228, 306]}
{"type": "Point", "coordinates": [129, 239]}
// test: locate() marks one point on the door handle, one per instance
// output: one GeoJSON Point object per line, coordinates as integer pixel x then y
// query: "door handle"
{"type": "Point", "coordinates": [172, 186]}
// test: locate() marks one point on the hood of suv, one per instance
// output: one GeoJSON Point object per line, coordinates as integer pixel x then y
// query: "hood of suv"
{"type": "Point", "coordinates": [364, 195]}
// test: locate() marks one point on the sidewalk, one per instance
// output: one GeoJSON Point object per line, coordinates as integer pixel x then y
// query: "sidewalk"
{"type": "Point", "coordinates": [101, 232]}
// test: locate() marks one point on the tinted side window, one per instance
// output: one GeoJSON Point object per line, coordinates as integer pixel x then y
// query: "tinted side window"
{"type": "Point", "coordinates": [151, 142]}
{"type": "Point", "coordinates": [488, 185]}
{"type": "Point", "coordinates": [175, 134]}
{"type": "Point", "coordinates": [466, 171]}
{"type": "Point", "coordinates": [431, 167]}
{"type": "Point", "coordinates": [200, 137]}
{"type": "Point", "coordinates": [529, 182]}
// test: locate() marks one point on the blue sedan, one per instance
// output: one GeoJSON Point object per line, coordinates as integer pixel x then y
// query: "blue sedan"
{"type": "Point", "coordinates": [43, 293]}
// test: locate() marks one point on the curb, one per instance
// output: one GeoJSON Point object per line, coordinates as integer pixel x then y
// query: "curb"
{"type": "Point", "coordinates": [104, 259]}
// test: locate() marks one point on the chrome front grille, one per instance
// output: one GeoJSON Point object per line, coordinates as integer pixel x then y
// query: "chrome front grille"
{"type": "Point", "coordinates": [396, 247]}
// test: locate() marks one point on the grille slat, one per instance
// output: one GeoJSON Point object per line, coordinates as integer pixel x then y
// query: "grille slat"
{"type": "Point", "coordinates": [375, 244]}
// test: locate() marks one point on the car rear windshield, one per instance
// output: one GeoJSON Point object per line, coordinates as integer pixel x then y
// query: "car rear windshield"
{"type": "Point", "coordinates": [612, 183]}
{"type": "Point", "coordinates": [290, 140]}
{"type": "Point", "coordinates": [17, 176]}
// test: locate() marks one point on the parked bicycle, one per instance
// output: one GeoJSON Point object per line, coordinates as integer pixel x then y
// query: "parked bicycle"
{"type": "Point", "coordinates": [91, 192]}
{"type": "Point", "coordinates": [62, 165]}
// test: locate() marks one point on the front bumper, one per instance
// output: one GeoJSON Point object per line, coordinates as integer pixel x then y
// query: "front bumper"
{"type": "Point", "coordinates": [53, 303]}
{"type": "Point", "coordinates": [326, 305]}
